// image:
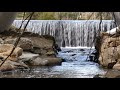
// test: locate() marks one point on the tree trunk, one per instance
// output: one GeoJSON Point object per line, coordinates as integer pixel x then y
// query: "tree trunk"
{"type": "Point", "coordinates": [6, 20]}
{"type": "Point", "coordinates": [117, 17]}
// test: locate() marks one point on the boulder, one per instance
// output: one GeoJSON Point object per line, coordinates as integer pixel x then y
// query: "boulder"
{"type": "Point", "coordinates": [42, 61]}
{"type": "Point", "coordinates": [112, 74]}
{"type": "Point", "coordinates": [116, 66]}
{"type": "Point", "coordinates": [108, 48]}
{"type": "Point", "coordinates": [42, 42]}
{"type": "Point", "coordinates": [24, 43]}
{"type": "Point", "coordinates": [53, 60]}
{"type": "Point", "coordinates": [32, 50]}
{"type": "Point", "coordinates": [37, 61]}
{"type": "Point", "coordinates": [11, 65]}
{"type": "Point", "coordinates": [107, 56]}
{"type": "Point", "coordinates": [5, 50]}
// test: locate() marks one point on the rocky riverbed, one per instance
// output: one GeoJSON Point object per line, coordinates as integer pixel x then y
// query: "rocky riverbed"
{"type": "Point", "coordinates": [40, 57]}
{"type": "Point", "coordinates": [75, 65]}
{"type": "Point", "coordinates": [32, 50]}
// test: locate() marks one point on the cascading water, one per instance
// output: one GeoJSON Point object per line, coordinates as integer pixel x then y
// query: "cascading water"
{"type": "Point", "coordinates": [70, 33]}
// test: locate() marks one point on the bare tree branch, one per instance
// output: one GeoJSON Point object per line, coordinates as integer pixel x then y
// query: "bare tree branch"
{"type": "Point", "coordinates": [18, 39]}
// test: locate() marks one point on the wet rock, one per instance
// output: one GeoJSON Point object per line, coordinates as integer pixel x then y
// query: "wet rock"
{"type": "Point", "coordinates": [111, 65]}
{"type": "Point", "coordinates": [40, 61]}
{"type": "Point", "coordinates": [63, 60]}
{"type": "Point", "coordinates": [91, 57]}
{"type": "Point", "coordinates": [73, 54]}
{"type": "Point", "coordinates": [57, 48]}
{"type": "Point", "coordinates": [37, 61]}
{"type": "Point", "coordinates": [94, 56]}
{"type": "Point", "coordinates": [11, 65]}
{"type": "Point", "coordinates": [82, 50]}
{"type": "Point", "coordinates": [53, 60]}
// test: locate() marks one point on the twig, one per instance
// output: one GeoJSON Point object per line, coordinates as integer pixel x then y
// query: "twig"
{"type": "Point", "coordinates": [89, 17]}
{"type": "Point", "coordinates": [23, 20]}
{"type": "Point", "coordinates": [18, 39]}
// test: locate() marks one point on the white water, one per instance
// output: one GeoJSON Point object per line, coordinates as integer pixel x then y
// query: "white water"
{"type": "Point", "coordinates": [75, 66]}
{"type": "Point", "coordinates": [69, 33]}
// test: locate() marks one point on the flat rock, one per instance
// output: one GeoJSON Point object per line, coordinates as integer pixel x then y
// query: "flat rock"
{"type": "Point", "coordinates": [11, 65]}
{"type": "Point", "coordinates": [5, 50]}
{"type": "Point", "coordinates": [24, 43]}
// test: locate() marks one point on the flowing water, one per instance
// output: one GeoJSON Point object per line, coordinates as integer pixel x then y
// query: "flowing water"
{"type": "Point", "coordinates": [74, 66]}
{"type": "Point", "coordinates": [68, 33]}
{"type": "Point", "coordinates": [71, 33]}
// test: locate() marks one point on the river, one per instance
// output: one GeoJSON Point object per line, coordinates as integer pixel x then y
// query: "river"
{"type": "Point", "coordinates": [68, 33]}
{"type": "Point", "coordinates": [75, 65]}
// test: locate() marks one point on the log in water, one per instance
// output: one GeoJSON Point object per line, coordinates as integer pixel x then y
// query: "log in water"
{"type": "Point", "coordinates": [69, 33]}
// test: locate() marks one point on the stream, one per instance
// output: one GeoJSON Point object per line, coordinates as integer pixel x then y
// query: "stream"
{"type": "Point", "coordinates": [75, 65]}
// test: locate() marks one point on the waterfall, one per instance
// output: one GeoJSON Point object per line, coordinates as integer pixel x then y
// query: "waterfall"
{"type": "Point", "coordinates": [70, 33]}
